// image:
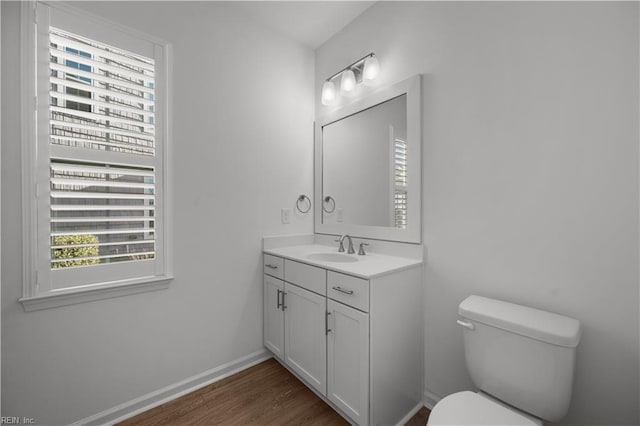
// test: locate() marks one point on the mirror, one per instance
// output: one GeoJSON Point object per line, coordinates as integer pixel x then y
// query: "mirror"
{"type": "Point", "coordinates": [367, 159]}
{"type": "Point", "coordinates": [364, 166]}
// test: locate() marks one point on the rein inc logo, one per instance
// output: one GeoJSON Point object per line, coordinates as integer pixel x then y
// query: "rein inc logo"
{"type": "Point", "coordinates": [6, 420]}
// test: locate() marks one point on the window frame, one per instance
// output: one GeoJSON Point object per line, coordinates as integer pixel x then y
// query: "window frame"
{"type": "Point", "coordinates": [37, 291]}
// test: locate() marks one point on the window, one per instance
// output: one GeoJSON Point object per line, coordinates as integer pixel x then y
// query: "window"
{"type": "Point", "coordinates": [99, 160]}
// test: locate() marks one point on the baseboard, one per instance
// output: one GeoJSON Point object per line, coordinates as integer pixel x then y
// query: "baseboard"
{"type": "Point", "coordinates": [410, 414]}
{"type": "Point", "coordinates": [146, 402]}
{"type": "Point", "coordinates": [430, 399]}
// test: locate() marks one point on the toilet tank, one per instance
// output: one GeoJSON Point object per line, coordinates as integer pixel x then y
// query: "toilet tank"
{"type": "Point", "coordinates": [520, 355]}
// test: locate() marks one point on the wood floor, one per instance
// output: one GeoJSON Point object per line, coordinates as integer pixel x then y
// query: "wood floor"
{"type": "Point", "coordinates": [265, 394]}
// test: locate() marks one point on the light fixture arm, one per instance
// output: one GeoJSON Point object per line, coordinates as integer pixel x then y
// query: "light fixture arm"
{"type": "Point", "coordinates": [354, 66]}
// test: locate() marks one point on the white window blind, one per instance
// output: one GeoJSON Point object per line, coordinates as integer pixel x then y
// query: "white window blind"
{"type": "Point", "coordinates": [400, 182]}
{"type": "Point", "coordinates": [102, 100]}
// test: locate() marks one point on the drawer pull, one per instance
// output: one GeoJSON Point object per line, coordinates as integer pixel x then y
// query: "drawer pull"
{"type": "Point", "coordinates": [342, 290]}
{"type": "Point", "coordinates": [268, 265]}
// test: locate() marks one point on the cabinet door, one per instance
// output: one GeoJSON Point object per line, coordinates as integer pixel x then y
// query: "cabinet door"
{"type": "Point", "coordinates": [273, 316]}
{"type": "Point", "coordinates": [305, 340]}
{"type": "Point", "coordinates": [348, 363]}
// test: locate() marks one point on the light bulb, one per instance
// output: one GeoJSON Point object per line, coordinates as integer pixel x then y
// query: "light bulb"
{"type": "Point", "coordinates": [348, 81]}
{"type": "Point", "coordinates": [328, 92]}
{"type": "Point", "coordinates": [371, 70]}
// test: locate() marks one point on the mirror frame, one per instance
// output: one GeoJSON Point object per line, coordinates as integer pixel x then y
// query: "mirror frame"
{"type": "Point", "coordinates": [413, 232]}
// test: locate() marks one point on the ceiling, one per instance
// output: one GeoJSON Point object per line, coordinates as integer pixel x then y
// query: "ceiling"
{"type": "Point", "coordinates": [308, 22]}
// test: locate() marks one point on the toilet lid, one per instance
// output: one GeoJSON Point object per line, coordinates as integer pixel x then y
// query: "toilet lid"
{"type": "Point", "coordinates": [469, 408]}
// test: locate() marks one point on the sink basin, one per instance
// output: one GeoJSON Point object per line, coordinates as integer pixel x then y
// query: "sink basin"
{"type": "Point", "coordinates": [332, 257]}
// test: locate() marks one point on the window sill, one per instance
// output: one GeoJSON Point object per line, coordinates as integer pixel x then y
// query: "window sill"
{"type": "Point", "coordinates": [93, 293]}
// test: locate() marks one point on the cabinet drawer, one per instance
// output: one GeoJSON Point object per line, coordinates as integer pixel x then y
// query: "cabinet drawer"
{"type": "Point", "coordinates": [349, 290]}
{"type": "Point", "coordinates": [273, 266]}
{"type": "Point", "coordinates": [306, 276]}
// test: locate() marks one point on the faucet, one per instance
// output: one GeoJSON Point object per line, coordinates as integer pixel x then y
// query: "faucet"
{"type": "Point", "coordinates": [341, 241]}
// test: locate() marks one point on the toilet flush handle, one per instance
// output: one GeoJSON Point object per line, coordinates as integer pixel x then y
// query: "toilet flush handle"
{"type": "Point", "coordinates": [466, 324]}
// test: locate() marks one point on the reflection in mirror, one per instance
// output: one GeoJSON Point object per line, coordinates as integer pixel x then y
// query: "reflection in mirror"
{"type": "Point", "coordinates": [364, 167]}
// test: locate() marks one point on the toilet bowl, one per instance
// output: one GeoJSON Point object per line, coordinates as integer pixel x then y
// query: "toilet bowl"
{"type": "Point", "coordinates": [521, 359]}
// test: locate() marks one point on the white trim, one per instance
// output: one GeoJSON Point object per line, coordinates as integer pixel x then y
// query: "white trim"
{"type": "Point", "coordinates": [38, 292]}
{"type": "Point", "coordinates": [412, 87]}
{"type": "Point", "coordinates": [410, 414]}
{"type": "Point", "coordinates": [90, 294]}
{"type": "Point", "coordinates": [148, 401]}
{"type": "Point", "coordinates": [112, 24]}
{"type": "Point", "coordinates": [28, 140]}
{"type": "Point", "coordinates": [430, 399]}
{"type": "Point", "coordinates": [0, 197]}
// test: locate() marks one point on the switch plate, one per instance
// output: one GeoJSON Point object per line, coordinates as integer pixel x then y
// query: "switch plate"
{"type": "Point", "coordinates": [339, 215]}
{"type": "Point", "coordinates": [285, 215]}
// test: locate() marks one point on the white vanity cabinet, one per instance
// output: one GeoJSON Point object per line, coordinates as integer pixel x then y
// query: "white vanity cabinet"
{"type": "Point", "coordinates": [304, 335]}
{"type": "Point", "coordinates": [348, 360]}
{"type": "Point", "coordinates": [273, 318]}
{"type": "Point", "coordinates": [356, 341]}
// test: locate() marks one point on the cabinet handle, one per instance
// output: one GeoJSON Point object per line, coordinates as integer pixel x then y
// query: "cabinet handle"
{"type": "Point", "coordinates": [268, 265]}
{"type": "Point", "coordinates": [342, 290]}
{"type": "Point", "coordinates": [279, 303]}
{"type": "Point", "coordinates": [326, 323]}
{"type": "Point", "coordinates": [283, 301]}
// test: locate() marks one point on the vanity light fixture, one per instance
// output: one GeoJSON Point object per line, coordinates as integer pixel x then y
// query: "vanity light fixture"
{"type": "Point", "coordinates": [364, 70]}
{"type": "Point", "coordinates": [371, 70]}
{"type": "Point", "coordinates": [329, 93]}
{"type": "Point", "coordinates": [347, 82]}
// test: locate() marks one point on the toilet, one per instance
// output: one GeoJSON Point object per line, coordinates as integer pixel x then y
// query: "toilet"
{"type": "Point", "coordinates": [522, 361]}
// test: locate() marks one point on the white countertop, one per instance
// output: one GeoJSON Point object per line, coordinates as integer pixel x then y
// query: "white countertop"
{"type": "Point", "coordinates": [369, 266]}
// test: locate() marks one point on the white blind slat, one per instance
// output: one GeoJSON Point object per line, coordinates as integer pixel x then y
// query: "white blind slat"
{"type": "Point", "coordinates": [113, 106]}
{"type": "Point", "coordinates": [95, 90]}
{"type": "Point", "coordinates": [61, 54]}
{"type": "Point", "coordinates": [84, 183]}
{"type": "Point", "coordinates": [103, 117]}
{"type": "Point", "coordinates": [130, 147]}
{"type": "Point", "coordinates": [101, 78]}
{"type": "Point", "coordinates": [103, 232]}
{"type": "Point", "coordinates": [108, 256]}
{"type": "Point", "coordinates": [117, 243]}
{"type": "Point", "coordinates": [110, 130]}
{"type": "Point", "coordinates": [107, 207]}
{"type": "Point", "coordinates": [105, 195]}
{"type": "Point", "coordinates": [77, 42]}
{"type": "Point", "coordinates": [92, 219]}
{"type": "Point", "coordinates": [78, 168]}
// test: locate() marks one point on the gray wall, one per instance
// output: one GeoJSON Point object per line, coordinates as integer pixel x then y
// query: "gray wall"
{"type": "Point", "coordinates": [242, 149]}
{"type": "Point", "coordinates": [530, 133]}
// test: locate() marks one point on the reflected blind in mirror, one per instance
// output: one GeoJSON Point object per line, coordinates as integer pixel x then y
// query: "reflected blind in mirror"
{"type": "Point", "coordinates": [400, 182]}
